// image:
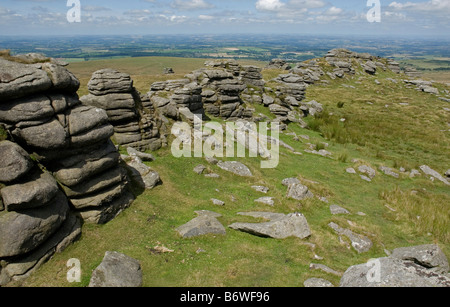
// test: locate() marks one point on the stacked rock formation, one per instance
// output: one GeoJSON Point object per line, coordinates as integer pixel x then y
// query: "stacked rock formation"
{"type": "Point", "coordinates": [134, 125]}
{"type": "Point", "coordinates": [35, 218]}
{"type": "Point", "coordinates": [215, 90]}
{"type": "Point", "coordinates": [41, 112]}
{"type": "Point", "coordinates": [342, 60]}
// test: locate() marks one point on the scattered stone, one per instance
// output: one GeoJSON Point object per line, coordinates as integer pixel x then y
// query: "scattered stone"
{"type": "Point", "coordinates": [236, 168]}
{"type": "Point", "coordinates": [290, 181]}
{"type": "Point", "coordinates": [447, 173]}
{"type": "Point", "coordinates": [199, 169]}
{"type": "Point", "coordinates": [299, 191]}
{"type": "Point", "coordinates": [143, 156]}
{"type": "Point", "coordinates": [324, 268]}
{"type": "Point", "coordinates": [280, 226]}
{"type": "Point", "coordinates": [142, 174]}
{"type": "Point", "coordinates": [360, 243]}
{"type": "Point", "coordinates": [117, 271]}
{"type": "Point", "coordinates": [317, 283]}
{"type": "Point", "coordinates": [365, 178]}
{"type": "Point", "coordinates": [261, 189]}
{"type": "Point", "coordinates": [429, 171]}
{"type": "Point", "coordinates": [212, 175]}
{"type": "Point", "coordinates": [367, 170]}
{"type": "Point", "coordinates": [335, 209]}
{"type": "Point", "coordinates": [350, 170]}
{"type": "Point", "coordinates": [388, 171]}
{"type": "Point", "coordinates": [217, 202]}
{"type": "Point", "coordinates": [205, 223]}
{"type": "Point", "coordinates": [266, 200]}
{"type": "Point", "coordinates": [414, 173]}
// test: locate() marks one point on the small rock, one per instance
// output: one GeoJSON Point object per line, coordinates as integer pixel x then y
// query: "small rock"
{"type": "Point", "coordinates": [217, 202]}
{"type": "Point", "coordinates": [266, 200]}
{"type": "Point", "coordinates": [335, 209]}
{"type": "Point", "coordinates": [199, 169]}
{"type": "Point", "coordinates": [205, 223]}
{"type": "Point", "coordinates": [117, 270]}
{"type": "Point", "coordinates": [261, 189]}
{"type": "Point", "coordinates": [350, 170]}
{"type": "Point", "coordinates": [143, 156]}
{"type": "Point", "coordinates": [360, 243]}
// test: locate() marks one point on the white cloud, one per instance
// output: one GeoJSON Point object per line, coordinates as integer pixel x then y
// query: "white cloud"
{"type": "Point", "coordinates": [428, 6]}
{"type": "Point", "coordinates": [269, 5]}
{"type": "Point", "coordinates": [191, 5]}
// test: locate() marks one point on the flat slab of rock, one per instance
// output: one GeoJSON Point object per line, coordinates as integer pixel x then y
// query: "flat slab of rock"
{"type": "Point", "coordinates": [266, 201]}
{"type": "Point", "coordinates": [205, 223]}
{"type": "Point", "coordinates": [335, 209]}
{"type": "Point", "coordinates": [431, 172]}
{"type": "Point", "coordinates": [236, 168]}
{"type": "Point", "coordinates": [117, 270]}
{"type": "Point", "coordinates": [360, 243]}
{"type": "Point", "coordinates": [388, 171]}
{"type": "Point", "coordinates": [259, 188]}
{"type": "Point", "coordinates": [279, 226]}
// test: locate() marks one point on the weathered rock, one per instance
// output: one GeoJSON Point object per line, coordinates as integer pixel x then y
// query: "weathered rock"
{"type": "Point", "coordinates": [142, 155]}
{"type": "Point", "coordinates": [394, 272]}
{"type": "Point", "coordinates": [324, 268]}
{"type": "Point", "coordinates": [199, 169]}
{"type": "Point", "coordinates": [106, 81]}
{"type": "Point", "coordinates": [16, 269]}
{"type": "Point", "coordinates": [28, 109]}
{"type": "Point", "coordinates": [360, 243]}
{"type": "Point", "coordinates": [142, 174]}
{"type": "Point", "coordinates": [62, 79]}
{"type": "Point", "coordinates": [104, 214]}
{"type": "Point", "coordinates": [236, 168]}
{"type": "Point", "coordinates": [19, 80]}
{"type": "Point", "coordinates": [429, 256]}
{"type": "Point", "coordinates": [48, 136]}
{"type": "Point", "coordinates": [217, 202]}
{"type": "Point", "coordinates": [280, 226]}
{"type": "Point", "coordinates": [39, 189]}
{"type": "Point", "coordinates": [388, 171]}
{"type": "Point", "coordinates": [266, 201]}
{"type": "Point", "coordinates": [290, 181]}
{"type": "Point", "coordinates": [261, 189]}
{"type": "Point", "coordinates": [15, 162]}
{"type": "Point", "coordinates": [22, 232]}
{"type": "Point", "coordinates": [335, 209]}
{"type": "Point", "coordinates": [299, 191]}
{"type": "Point", "coordinates": [367, 170]}
{"type": "Point", "coordinates": [205, 223]}
{"type": "Point", "coordinates": [117, 271]}
{"type": "Point", "coordinates": [430, 172]}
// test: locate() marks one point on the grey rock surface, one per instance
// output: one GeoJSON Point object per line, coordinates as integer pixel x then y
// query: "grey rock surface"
{"type": "Point", "coordinates": [117, 271]}
{"type": "Point", "coordinates": [279, 226]}
{"type": "Point", "coordinates": [205, 223]}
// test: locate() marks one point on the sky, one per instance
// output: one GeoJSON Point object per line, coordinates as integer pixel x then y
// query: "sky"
{"type": "Point", "coordinates": [140, 17]}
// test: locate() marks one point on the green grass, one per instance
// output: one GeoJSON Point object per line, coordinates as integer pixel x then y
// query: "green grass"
{"type": "Point", "coordinates": [405, 136]}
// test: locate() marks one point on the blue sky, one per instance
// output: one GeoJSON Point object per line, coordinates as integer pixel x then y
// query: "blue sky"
{"type": "Point", "coordinates": [401, 17]}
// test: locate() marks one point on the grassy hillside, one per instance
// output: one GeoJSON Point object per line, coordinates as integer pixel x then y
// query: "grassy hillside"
{"type": "Point", "coordinates": [393, 213]}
